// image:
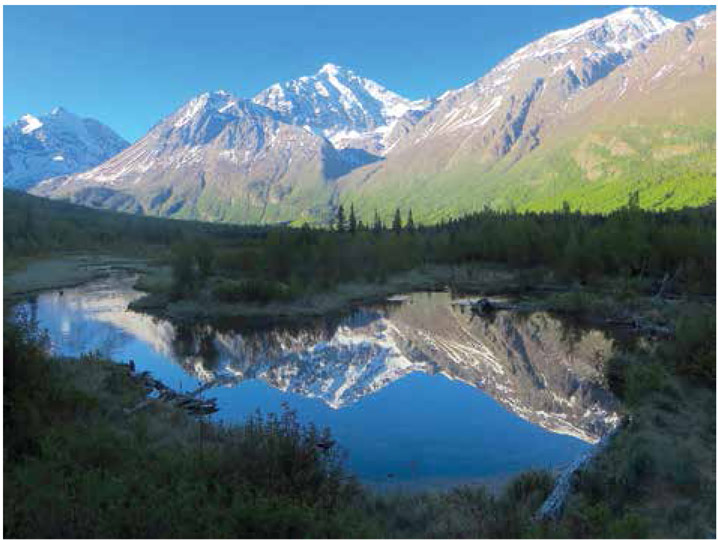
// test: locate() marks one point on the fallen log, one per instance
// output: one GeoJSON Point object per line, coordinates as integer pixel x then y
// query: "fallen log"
{"type": "Point", "coordinates": [554, 503]}
{"type": "Point", "coordinates": [187, 401]}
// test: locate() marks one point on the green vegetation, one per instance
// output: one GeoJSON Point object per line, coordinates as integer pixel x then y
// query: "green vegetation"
{"type": "Point", "coordinates": [230, 270]}
{"type": "Point", "coordinates": [672, 166]}
{"type": "Point", "coordinates": [657, 477]}
{"type": "Point", "coordinates": [293, 268]}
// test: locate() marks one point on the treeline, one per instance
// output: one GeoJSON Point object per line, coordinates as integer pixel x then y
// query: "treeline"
{"type": "Point", "coordinates": [37, 226]}
{"type": "Point", "coordinates": [675, 247]}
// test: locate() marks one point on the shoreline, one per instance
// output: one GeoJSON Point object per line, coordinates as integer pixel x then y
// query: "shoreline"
{"type": "Point", "coordinates": [64, 271]}
{"type": "Point", "coordinates": [202, 308]}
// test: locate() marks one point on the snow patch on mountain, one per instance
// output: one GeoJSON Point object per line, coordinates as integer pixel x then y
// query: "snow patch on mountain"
{"type": "Point", "coordinates": [349, 110]}
{"type": "Point", "coordinates": [31, 124]}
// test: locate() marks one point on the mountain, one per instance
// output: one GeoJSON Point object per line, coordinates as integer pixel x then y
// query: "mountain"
{"type": "Point", "coordinates": [349, 110]}
{"type": "Point", "coordinates": [39, 147]}
{"type": "Point", "coordinates": [585, 115]}
{"type": "Point", "coordinates": [526, 133]}
{"type": "Point", "coordinates": [218, 157]}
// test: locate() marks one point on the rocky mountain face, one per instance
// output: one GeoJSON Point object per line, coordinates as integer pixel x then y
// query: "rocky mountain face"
{"type": "Point", "coordinates": [547, 124]}
{"type": "Point", "coordinates": [36, 148]}
{"type": "Point", "coordinates": [506, 109]}
{"type": "Point", "coordinates": [217, 157]}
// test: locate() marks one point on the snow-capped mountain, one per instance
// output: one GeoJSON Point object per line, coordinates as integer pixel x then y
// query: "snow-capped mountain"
{"type": "Point", "coordinates": [349, 110]}
{"type": "Point", "coordinates": [299, 147]}
{"type": "Point", "coordinates": [39, 147]}
{"type": "Point", "coordinates": [216, 157]}
{"type": "Point", "coordinates": [476, 137]}
{"type": "Point", "coordinates": [510, 103]}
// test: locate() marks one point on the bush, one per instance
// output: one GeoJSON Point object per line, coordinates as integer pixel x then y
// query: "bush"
{"type": "Point", "coordinates": [694, 350]}
{"type": "Point", "coordinates": [251, 290]}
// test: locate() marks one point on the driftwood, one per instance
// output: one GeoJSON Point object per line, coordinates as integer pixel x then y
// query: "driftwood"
{"type": "Point", "coordinates": [486, 306]}
{"type": "Point", "coordinates": [553, 505]}
{"type": "Point", "coordinates": [637, 325]}
{"type": "Point", "coordinates": [187, 401]}
{"type": "Point", "coordinates": [482, 307]}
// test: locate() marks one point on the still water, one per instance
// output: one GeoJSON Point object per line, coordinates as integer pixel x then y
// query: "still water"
{"type": "Point", "coordinates": [419, 391]}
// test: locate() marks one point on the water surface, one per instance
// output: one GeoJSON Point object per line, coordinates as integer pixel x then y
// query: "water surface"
{"type": "Point", "coordinates": [419, 391]}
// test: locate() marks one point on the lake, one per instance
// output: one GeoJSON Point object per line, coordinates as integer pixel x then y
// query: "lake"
{"type": "Point", "coordinates": [420, 392]}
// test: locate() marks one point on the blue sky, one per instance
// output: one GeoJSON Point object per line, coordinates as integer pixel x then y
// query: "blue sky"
{"type": "Point", "coordinates": [129, 66]}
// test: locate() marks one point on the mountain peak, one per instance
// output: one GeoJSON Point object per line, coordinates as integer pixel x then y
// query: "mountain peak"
{"type": "Point", "coordinates": [633, 12]}
{"type": "Point", "coordinates": [349, 110]}
{"type": "Point", "coordinates": [58, 111]}
{"type": "Point", "coordinates": [330, 69]}
{"type": "Point", "coordinates": [643, 17]}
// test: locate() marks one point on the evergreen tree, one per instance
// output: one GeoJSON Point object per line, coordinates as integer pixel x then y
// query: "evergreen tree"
{"type": "Point", "coordinates": [340, 220]}
{"type": "Point", "coordinates": [396, 224]}
{"type": "Point", "coordinates": [410, 223]}
{"type": "Point", "coordinates": [352, 220]}
{"type": "Point", "coordinates": [183, 268]}
{"type": "Point", "coordinates": [378, 226]}
{"type": "Point", "coordinates": [205, 257]}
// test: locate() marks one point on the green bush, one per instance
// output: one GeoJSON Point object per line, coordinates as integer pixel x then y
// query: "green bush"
{"type": "Point", "coordinates": [251, 290]}
{"type": "Point", "coordinates": [694, 348]}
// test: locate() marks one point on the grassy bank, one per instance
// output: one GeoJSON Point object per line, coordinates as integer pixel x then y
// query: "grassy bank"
{"type": "Point", "coordinates": [657, 477]}
{"type": "Point", "coordinates": [26, 276]}
{"type": "Point", "coordinates": [219, 299]}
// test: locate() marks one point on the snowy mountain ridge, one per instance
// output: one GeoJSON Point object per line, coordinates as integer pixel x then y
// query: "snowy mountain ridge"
{"type": "Point", "coordinates": [39, 147]}
{"type": "Point", "coordinates": [287, 153]}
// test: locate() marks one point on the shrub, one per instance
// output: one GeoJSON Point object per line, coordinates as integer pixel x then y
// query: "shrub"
{"type": "Point", "coordinates": [251, 290]}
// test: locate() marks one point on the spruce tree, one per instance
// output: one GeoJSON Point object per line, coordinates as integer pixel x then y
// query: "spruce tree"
{"type": "Point", "coordinates": [396, 224]}
{"type": "Point", "coordinates": [410, 223]}
{"type": "Point", "coordinates": [352, 220]}
{"type": "Point", "coordinates": [340, 220]}
{"type": "Point", "coordinates": [377, 227]}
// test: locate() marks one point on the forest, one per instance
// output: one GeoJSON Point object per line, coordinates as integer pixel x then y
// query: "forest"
{"type": "Point", "coordinates": [261, 263]}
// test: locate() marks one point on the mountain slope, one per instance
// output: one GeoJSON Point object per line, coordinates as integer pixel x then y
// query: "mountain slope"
{"type": "Point", "coordinates": [216, 158]}
{"type": "Point", "coordinates": [490, 142]}
{"type": "Point", "coordinates": [35, 148]}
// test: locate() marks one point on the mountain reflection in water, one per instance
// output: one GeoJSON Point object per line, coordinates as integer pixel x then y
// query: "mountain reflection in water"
{"type": "Point", "coordinates": [535, 366]}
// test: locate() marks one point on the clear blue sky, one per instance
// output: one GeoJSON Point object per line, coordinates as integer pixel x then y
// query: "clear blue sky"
{"type": "Point", "coordinates": [129, 66]}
